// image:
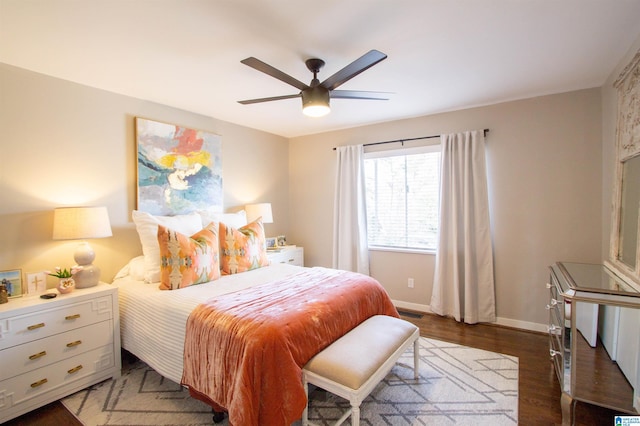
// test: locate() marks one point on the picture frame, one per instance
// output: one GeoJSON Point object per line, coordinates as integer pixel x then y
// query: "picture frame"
{"type": "Point", "coordinates": [12, 278]}
{"type": "Point", "coordinates": [179, 169]}
{"type": "Point", "coordinates": [272, 243]}
{"type": "Point", "coordinates": [36, 283]}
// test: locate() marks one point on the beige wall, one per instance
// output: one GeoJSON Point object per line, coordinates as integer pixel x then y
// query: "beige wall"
{"type": "Point", "coordinates": [66, 144]}
{"type": "Point", "coordinates": [545, 187]}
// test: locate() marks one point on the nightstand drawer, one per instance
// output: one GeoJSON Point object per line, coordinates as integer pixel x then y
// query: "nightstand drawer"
{"type": "Point", "coordinates": [40, 353]}
{"type": "Point", "coordinates": [48, 322]}
{"type": "Point", "coordinates": [21, 389]}
{"type": "Point", "coordinates": [292, 256]}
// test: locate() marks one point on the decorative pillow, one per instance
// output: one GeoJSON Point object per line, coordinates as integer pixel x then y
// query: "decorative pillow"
{"type": "Point", "coordinates": [184, 260]}
{"type": "Point", "coordinates": [234, 220]}
{"type": "Point", "coordinates": [147, 227]}
{"type": "Point", "coordinates": [242, 249]}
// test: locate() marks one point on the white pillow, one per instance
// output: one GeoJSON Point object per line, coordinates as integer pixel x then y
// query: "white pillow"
{"type": "Point", "coordinates": [133, 269]}
{"type": "Point", "coordinates": [233, 220]}
{"type": "Point", "coordinates": [147, 227]}
{"type": "Point", "coordinates": [136, 268]}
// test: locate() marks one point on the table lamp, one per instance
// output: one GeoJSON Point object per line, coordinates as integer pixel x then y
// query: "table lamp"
{"type": "Point", "coordinates": [79, 223]}
{"type": "Point", "coordinates": [255, 211]}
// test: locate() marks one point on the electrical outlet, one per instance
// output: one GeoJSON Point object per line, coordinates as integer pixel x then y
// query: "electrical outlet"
{"type": "Point", "coordinates": [410, 282]}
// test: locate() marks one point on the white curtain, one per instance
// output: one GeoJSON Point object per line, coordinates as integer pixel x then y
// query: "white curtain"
{"type": "Point", "coordinates": [350, 250]}
{"type": "Point", "coordinates": [463, 281]}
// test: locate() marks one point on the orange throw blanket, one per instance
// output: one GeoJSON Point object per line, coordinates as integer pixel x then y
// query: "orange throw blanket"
{"type": "Point", "coordinates": [244, 351]}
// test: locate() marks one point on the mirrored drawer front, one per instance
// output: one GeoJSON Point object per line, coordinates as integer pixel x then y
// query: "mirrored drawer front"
{"type": "Point", "coordinates": [555, 319]}
{"type": "Point", "coordinates": [556, 314]}
{"type": "Point", "coordinates": [21, 389]}
{"type": "Point", "coordinates": [556, 353]}
{"type": "Point", "coordinates": [20, 359]}
{"type": "Point", "coordinates": [25, 328]}
{"type": "Point", "coordinates": [553, 288]}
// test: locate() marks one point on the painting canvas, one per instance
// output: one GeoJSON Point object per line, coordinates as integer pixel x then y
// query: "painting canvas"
{"type": "Point", "coordinates": [179, 169]}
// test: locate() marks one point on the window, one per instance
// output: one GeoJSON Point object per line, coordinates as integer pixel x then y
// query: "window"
{"type": "Point", "coordinates": [402, 188]}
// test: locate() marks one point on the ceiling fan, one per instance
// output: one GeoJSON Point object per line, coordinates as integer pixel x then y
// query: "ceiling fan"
{"type": "Point", "coordinates": [315, 96]}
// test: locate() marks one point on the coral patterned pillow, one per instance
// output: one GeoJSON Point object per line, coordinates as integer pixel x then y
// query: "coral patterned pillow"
{"type": "Point", "coordinates": [147, 227]}
{"type": "Point", "coordinates": [184, 260]}
{"type": "Point", "coordinates": [242, 249]}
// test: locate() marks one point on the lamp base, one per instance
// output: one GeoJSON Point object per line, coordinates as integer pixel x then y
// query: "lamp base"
{"type": "Point", "coordinates": [88, 277]}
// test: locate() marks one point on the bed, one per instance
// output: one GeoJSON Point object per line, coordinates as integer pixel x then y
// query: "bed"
{"type": "Point", "coordinates": [225, 363]}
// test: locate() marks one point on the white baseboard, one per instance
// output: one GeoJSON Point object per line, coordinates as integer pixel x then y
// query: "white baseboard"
{"type": "Point", "coordinates": [413, 306]}
{"type": "Point", "coordinates": [523, 325]}
{"type": "Point", "coordinates": [507, 322]}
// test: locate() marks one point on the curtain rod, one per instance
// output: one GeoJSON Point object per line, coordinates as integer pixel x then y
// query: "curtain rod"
{"type": "Point", "coordinates": [407, 140]}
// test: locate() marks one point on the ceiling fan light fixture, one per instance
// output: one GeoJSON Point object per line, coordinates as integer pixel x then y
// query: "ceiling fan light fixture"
{"type": "Point", "coordinates": [315, 102]}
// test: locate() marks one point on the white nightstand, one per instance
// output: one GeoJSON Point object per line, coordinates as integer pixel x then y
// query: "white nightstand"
{"type": "Point", "coordinates": [292, 255]}
{"type": "Point", "coordinates": [50, 348]}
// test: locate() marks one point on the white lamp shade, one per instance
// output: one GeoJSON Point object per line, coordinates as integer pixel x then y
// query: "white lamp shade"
{"type": "Point", "coordinates": [76, 223]}
{"type": "Point", "coordinates": [254, 211]}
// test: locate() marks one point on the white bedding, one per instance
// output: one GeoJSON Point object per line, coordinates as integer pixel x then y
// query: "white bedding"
{"type": "Point", "coordinates": [153, 321]}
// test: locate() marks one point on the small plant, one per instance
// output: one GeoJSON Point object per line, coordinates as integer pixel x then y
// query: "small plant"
{"type": "Point", "coordinates": [65, 273]}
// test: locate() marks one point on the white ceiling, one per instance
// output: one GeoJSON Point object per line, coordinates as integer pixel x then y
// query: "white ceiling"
{"type": "Point", "coordinates": [442, 54]}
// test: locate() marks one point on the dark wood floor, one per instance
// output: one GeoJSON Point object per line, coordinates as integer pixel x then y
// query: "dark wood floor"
{"type": "Point", "coordinates": [539, 392]}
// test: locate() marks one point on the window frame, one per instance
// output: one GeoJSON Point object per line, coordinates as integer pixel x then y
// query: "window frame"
{"type": "Point", "coordinates": [372, 152]}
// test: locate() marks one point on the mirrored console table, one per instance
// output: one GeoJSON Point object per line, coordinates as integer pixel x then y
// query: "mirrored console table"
{"type": "Point", "coordinates": [604, 373]}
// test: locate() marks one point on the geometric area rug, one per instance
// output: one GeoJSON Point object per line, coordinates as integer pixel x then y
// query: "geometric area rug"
{"type": "Point", "coordinates": [457, 385]}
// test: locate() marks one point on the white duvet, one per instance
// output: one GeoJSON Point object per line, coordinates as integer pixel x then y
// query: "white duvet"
{"type": "Point", "coordinates": [153, 321]}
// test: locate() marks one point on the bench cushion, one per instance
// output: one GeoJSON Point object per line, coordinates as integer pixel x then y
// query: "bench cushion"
{"type": "Point", "coordinates": [353, 358]}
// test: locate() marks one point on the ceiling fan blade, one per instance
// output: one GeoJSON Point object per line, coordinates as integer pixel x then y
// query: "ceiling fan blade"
{"type": "Point", "coordinates": [363, 63]}
{"type": "Point", "coordinates": [358, 94]}
{"type": "Point", "coordinates": [273, 98]}
{"type": "Point", "coordinates": [274, 72]}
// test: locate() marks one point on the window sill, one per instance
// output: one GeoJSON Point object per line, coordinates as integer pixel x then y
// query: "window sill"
{"type": "Point", "coordinates": [403, 250]}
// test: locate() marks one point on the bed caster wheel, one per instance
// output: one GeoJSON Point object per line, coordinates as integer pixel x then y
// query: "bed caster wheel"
{"type": "Point", "coordinates": [218, 417]}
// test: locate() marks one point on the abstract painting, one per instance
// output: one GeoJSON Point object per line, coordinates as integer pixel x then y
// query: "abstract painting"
{"type": "Point", "coordinates": [179, 169]}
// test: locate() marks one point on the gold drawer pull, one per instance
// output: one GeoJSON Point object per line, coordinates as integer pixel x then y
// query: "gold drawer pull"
{"type": "Point", "coordinates": [72, 344]}
{"type": "Point", "coordinates": [39, 355]}
{"type": "Point", "coordinates": [72, 317]}
{"type": "Point", "coordinates": [35, 326]}
{"type": "Point", "coordinates": [75, 369]}
{"type": "Point", "coordinates": [39, 383]}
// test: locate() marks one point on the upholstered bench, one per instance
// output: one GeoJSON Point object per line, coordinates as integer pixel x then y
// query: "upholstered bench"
{"type": "Point", "coordinates": [352, 366]}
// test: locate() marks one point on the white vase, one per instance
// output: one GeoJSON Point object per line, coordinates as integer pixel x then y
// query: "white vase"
{"type": "Point", "coordinates": [66, 285]}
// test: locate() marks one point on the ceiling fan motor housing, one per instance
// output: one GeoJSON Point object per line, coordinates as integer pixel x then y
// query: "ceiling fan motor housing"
{"type": "Point", "coordinates": [314, 96]}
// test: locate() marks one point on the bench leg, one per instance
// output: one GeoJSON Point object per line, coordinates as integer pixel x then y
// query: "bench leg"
{"type": "Point", "coordinates": [305, 413]}
{"type": "Point", "coordinates": [355, 415]}
{"type": "Point", "coordinates": [416, 359]}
